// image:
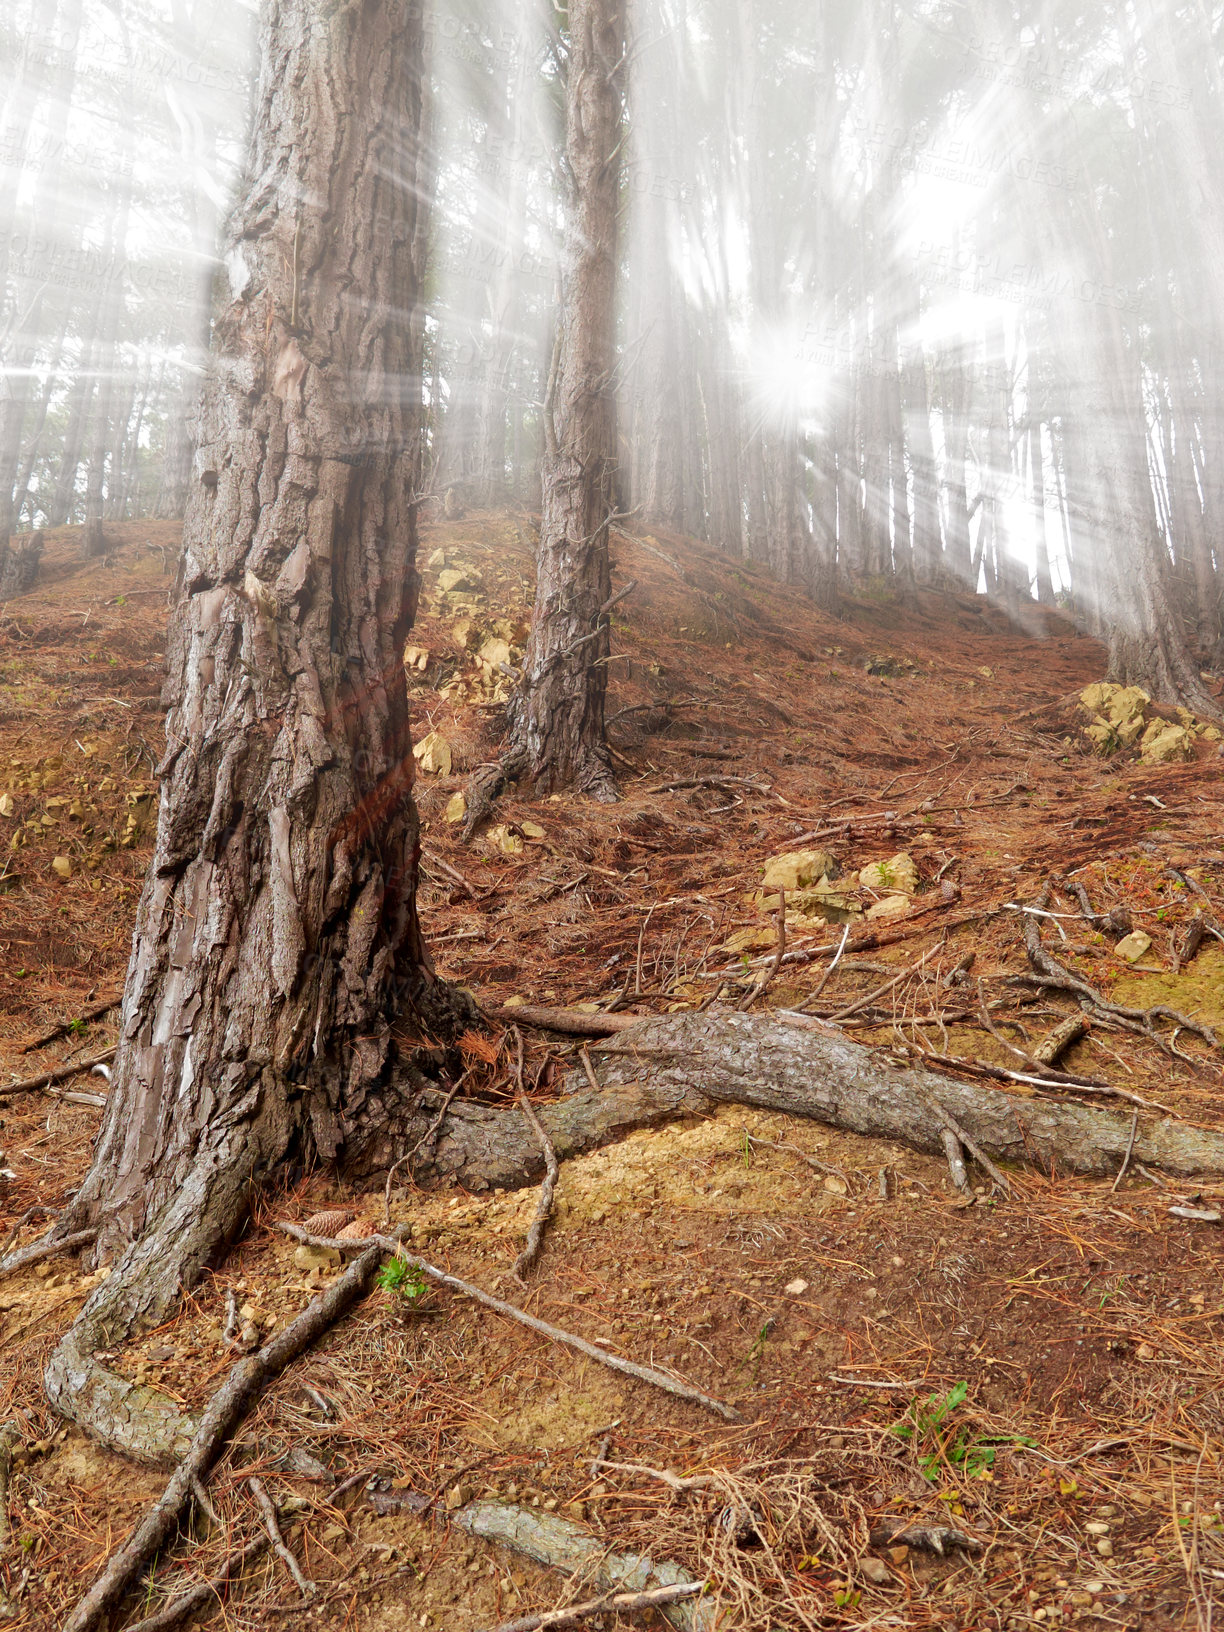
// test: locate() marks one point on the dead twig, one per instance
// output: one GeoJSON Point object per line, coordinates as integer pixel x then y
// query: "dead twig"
{"type": "Point", "coordinates": [828, 974]}
{"type": "Point", "coordinates": [535, 1235]}
{"type": "Point", "coordinates": [203, 1593]}
{"type": "Point", "coordinates": [571, 1021]}
{"type": "Point", "coordinates": [956, 1161]}
{"type": "Point", "coordinates": [433, 859]}
{"type": "Point", "coordinates": [863, 1002]}
{"type": "Point", "coordinates": [952, 1126]}
{"type": "Point", "coordinates": [229, 1405]}
{"type": "Point", "coordinates": [759, 990]}
{"type": "Point", "coordinates": [307, 1588]}
{"type": "Point", "coordinates": [610, 1603]}
{"type": "Point", "coordinates": [94, 1013]}
{"type": "Point", "coordinates": [48, 1079]}
{"type": "Point", "coordinates": [48, 1247]}
{"type": "Point", "coordinates": [555, 1334]}
{"type": "Point", "coordinates": [1130, 1146]}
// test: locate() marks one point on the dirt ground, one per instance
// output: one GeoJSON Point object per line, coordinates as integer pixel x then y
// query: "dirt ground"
{"type": "Point", "coordinates": [836, 1291]}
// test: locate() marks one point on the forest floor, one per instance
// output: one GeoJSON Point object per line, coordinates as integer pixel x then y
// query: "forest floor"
{"type": "Point", "coordinates": [1054, 1358]}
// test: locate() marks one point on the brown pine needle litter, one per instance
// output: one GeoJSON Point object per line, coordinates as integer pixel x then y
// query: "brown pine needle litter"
{"type": "Point", "coordinates": [1082, 1457]}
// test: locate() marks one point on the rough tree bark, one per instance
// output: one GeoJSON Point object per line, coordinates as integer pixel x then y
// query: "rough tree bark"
{"type": "Point", "coordinates": [277, 941]}
{"type": "Point", "coordinates": [556, 721]}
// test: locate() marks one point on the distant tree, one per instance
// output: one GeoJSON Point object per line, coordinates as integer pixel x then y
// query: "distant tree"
{"type": "Point", "coordinates": [557, 716]}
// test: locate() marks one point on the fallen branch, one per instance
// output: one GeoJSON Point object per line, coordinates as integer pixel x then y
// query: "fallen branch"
{"type": "Point", "coordinates": [9, 1436]}
{"type": "Point", "coordinates": [1057, 1041]}
{"type": "Point", "coordinates": [203, 1593]}
{"type": "Point", "coordinates": [94, 1013]}
{"type": "Point", "coordinates": [1060, 977]}
{"type": "Point", "coordinates": [48, 1079]}
{"type": "Point", "coordinates": [561, 1545]}
{"type": "Point", "coordinates": [614, 1602]}
{"type": "Point", "coordinates": [680, 1065]}
{"type": "Point", "coordinates": [308, 1589]}
{"type": "Point", "coordinates": [572, 1021]}
{"type": "Point", "coordinates": [555, 1334]}
{"type": "Point", "coordinates": [227, 1408]}
{"type": "Point", "coordinates": [48, 1247]}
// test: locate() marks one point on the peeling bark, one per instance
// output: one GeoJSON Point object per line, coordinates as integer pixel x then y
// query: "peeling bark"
{"type": "Point", "coordinates": [277, 940]}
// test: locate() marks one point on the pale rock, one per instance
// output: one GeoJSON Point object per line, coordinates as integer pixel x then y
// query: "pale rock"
{"type": "Point", "coordinates": [433, 754]}
{"type": "Point", "coordinates": [501, 838]}
{"type": "Point", "coordinates": [797, 869]}
{"type": "Point", "coordinates": [875, 1570]}
{"type": "Point", "coordinates": [311, 1258]}
{"type": "Point", "coordinates": [461, 577]}
{"type": "Point", "coordinates": [456, 807]}
{"type": "Point", "coordinates": [61, 867]}
{"type": "Point", "coordinates": [1169, 742]}
{"type": "Point", "coordinates": [1133, 946]}
{"type": "Point", "coordinates": [897, 875]}
{"type": "Point", "coordinates": [794, 1289]}
{"type": "Point", "coordinates": [892, 906]}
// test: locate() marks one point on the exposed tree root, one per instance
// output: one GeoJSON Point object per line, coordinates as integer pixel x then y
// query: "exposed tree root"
{"type": "Point", "coordinates": [681, 1065]}
{"type": "Point", "coordinates": [1061, 978]}
{"type": "Point", "coordinates": [228, 1406]}
{"type": "Point", "coordinates": [49, 1247]}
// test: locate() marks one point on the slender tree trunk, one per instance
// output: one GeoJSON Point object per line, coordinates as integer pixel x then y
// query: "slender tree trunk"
{"type": "Point", "coordinates": [557, 717]}
{"type": "Point", "coordinates": [928, 544]}
{"type": "Point", "coordinates": [277, 943]}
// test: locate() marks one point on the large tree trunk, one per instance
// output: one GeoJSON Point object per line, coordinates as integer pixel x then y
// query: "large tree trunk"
{"type": "Point", "coordinates": [557, 718]}
{"type": "Point", "coordinates": [277, 940]}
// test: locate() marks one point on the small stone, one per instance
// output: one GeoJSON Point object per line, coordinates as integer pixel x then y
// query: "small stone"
{"type": "Point", "coordinates": [1094, 1587]}
{"type": "Point", "coordinates": [898, 1554]}
{"type": "Point", "coordinates": [1105, 1547]}
{"type": "Point", "coordinates": [576, 1510]}
{"type": "Point", "coordinates": [1133, 946]}
{"type": "Point", "coordinates": [794, 1289]}
{"type": "Point", "coordinates": [315, 1258]}
{"type": "Point", "coordinates": [1096, 1527]}
{"type": "Point", "coordinates": [61, 867]}
{"type": "Point", "coordinates": [875, 1570]}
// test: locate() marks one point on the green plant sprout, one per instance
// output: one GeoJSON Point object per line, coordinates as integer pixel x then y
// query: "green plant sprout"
{"type": "Point", "coordinates": [960, 1447]}
{"type": "Point", "coordinates": [400, 1278]}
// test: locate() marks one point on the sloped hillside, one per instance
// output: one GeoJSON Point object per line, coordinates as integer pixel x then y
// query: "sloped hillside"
{"type": "Point", "coordinates": [1039, 1372]}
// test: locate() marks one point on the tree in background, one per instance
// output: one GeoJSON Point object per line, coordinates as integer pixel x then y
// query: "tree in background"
{"type": "Point", "coordinates": [556, 724]}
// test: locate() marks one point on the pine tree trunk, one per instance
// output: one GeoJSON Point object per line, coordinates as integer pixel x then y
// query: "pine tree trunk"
{"type": "Point", "coordinates": [277, 945]}
{"type": "Point", "coordinates": [557, 718]}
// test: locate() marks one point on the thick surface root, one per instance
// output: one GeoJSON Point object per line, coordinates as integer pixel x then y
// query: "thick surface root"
{"type": "Point", "coordinates": [681, 1065]}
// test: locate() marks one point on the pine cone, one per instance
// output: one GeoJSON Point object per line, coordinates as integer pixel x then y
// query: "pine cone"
{"type": "Point", "coordinates": [328, 1223]}
{"type": "Point", "coordinates": [358, 1230]}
